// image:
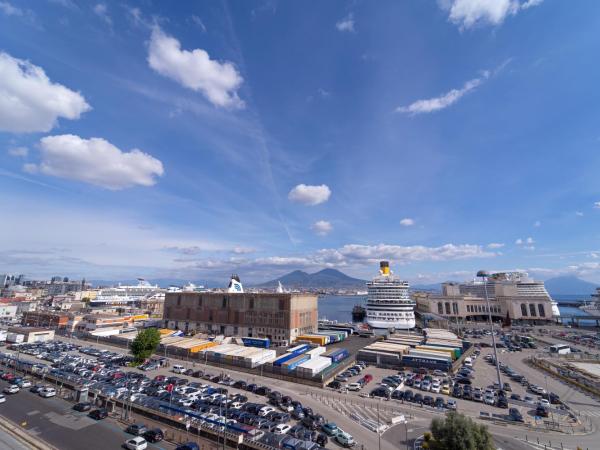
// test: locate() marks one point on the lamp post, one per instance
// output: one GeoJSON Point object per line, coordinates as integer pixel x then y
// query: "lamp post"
{"type": "Point", "coordinates": [483, 274]}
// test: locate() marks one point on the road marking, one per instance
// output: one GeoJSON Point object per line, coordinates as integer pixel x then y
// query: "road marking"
{"type": "Point", "coordinates": [33, 413]}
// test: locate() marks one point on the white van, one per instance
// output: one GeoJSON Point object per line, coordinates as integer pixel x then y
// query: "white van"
{"type": "Point", "coordinates": [178, 368]}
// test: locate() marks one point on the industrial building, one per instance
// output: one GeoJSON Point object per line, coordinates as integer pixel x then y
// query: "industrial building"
{"type": "Point", "coordinates": [511, 294]}
{"type": "Point", "coordinates": [281, 317]}
{"type": "Point", "coordinates": [29, 334]}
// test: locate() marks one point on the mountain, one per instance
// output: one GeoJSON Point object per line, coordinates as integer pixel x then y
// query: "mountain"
{"type": "Point", "coordinates": [427, 287]}
{"type": "Point", "coordinates": [569, 285]}
{"type": "Point", "coordinates": [326, 278]}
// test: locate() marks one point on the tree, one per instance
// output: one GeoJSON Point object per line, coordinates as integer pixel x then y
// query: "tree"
{"type": "Point", "coordinates": [144, 344]}
{"type": "Point", "coordinates": [458, 432]}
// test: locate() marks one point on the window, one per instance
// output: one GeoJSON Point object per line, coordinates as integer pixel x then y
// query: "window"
{"type": "Point", "coordinates": [447, 305]}
{"type": "Point", "coordinates": [455, 308]}
{"type": "Point", "coordinates": [532, 310]}
{"type": "Point", "coordinates": [179, 300]}
{"type": "Point", "coordinates": [440, 308]}
{"type": "Point", "coordinates": [251, 303]}
{"type": "Point", "coordinates": [200, 300]}
{"type": "Point", "coordinates": [541, 310]}
{"type": "Point", "coordinates": [523, 309]}
{"type": "Point", "coordinates": [281, 304]}
{"type": "Point", "coordinates": [224, 302]}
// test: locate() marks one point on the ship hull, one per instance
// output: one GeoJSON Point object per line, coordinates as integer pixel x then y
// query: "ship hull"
{"type": "Point", "coordinates": [406, 324]}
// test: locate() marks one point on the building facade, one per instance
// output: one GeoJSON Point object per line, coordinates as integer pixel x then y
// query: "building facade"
{"type": "Point", "coordinates": [510, 294]}
{"type": "Point", "coordinates": [47, 319]}
{"type": "Point", "coordinates": [281, 317]}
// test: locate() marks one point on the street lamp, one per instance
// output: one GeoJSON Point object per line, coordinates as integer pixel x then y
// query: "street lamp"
{"type": "Point", "coordinates": [483, 274]}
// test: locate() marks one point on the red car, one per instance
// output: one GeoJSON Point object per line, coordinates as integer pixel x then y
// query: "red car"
{"type": "Point", "coordinates": [368, 378]}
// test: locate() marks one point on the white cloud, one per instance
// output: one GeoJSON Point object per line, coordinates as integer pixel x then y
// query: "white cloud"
{"type": "Point", "coordinates": [243, 250]}
{"type": "Point", "coordinates": [20, 152]}
{"type": "Point", "coordinates": [519, 241]}
{"type": "Point", "coordinates": [470, 13]}
{"type": "Point", "coordinates": [596, 205]}
{"type": "Point", "coordinates": [101, 10]}
{"type": "Point", "coordinates": [217, 81]}
{"type": "Point", "coordinates": [10, 10]}
{"type": "Point", "coordinates": [537, 224]}
{"type": "Point", "coordinates": [579, 213]}
{"type": "Point", "coordinates": [322, 227]}
{"type": "Point", "coordinates": [495, 245]}
{"type": "Point", "coordinates": [346, 24]}
{"type": "Point", "coordinates": [309, 195]}
{"type": "Point", "coordinates": [407, 222]}
{"type": "Point", "coordinates": [95, 161]}
{"type": "Point", "coordinates": [438, 103]}
{"type": "Point", "coordinates": [30, 102]}
{"type": "Point", "coordinates": [529, 240]}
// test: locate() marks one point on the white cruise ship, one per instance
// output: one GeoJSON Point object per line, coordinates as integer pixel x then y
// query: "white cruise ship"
{"type": "Point", "coordinates": [389, 305]}
{"type": "Point", "coordinates": [125, 295]}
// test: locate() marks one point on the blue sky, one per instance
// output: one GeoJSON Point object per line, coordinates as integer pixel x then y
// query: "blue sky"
{"type": "Point", "coordinates": [195, 139]}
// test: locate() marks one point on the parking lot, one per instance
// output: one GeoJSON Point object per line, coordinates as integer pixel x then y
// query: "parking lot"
{"type": "Point", "coordinates": [209, 398]}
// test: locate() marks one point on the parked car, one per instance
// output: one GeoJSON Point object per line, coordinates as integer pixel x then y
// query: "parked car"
{"type": "Point", "coordinates": [136, 443]}
{"type": "Point", "coordinates": [47, 392]}
{"type": "Point", "coordinates": [82, 406]}
{"type": "Point", "coordinates": [345, 439]}
{"type": "Point", "coordinates": [98, 414]}
{"type": "Point", "coordinates": [330, 428]}
{"type": "Point", "coordinates": [154, 435]}
{"type": "Point", "coordinates": [188, 446]}
{"type": "Point", "coordinates": [11, 389]}
{"type": "Point", "coordinates": [137, 429]}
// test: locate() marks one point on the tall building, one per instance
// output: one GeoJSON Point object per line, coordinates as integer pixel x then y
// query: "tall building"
{"type": "Point", "coordinates": [512, 294]}
{"type": "Point", "coordinates": [281, 317]}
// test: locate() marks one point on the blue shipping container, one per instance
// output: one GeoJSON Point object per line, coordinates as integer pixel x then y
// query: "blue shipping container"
{"type": "Point", "coordinates": [338, 355]}
{"type": "Point", "coordinates": [256, 342]}
{"type": "Point", "coordinates": [286, 357]}
{"type": "Point", "coordinates": [299, 349]}
{"type": "Point", "coordinates": [295, 362]}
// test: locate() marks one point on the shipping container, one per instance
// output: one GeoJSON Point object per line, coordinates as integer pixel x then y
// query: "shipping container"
{"type": "Point", "coordinates": [426, 362]}
{"type": "Point", "coordinates": [314, 352]}
{"type": "Point", "coordinates": [256, 342]}
{"type": "Point", "coordinates": [425, 354]}
{"type": "Point", "coordinates": [285, 357]}
{"type": "Point", "coordinates": [313, 338]}
{"type": "Point", "coordinates": [454, 353]}
{"type": "Point", "coordinates": [298, 349]}
{"type": "Point", "coordinates": [15, 338]}
{"type": "Point", "coordinates": [337, 355]}
{"type": "Point", "coordinates": [291, 364]}
{"type": "Point", "coordinates": [314, 366]}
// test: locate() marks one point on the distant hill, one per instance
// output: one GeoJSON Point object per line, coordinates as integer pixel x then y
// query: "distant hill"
{"type": "Point", "coordinates": [326, 278]}
{"type": "Point", "coordinates": [427, 287]}
{"type": "Point", "coordinates": [569, 285]}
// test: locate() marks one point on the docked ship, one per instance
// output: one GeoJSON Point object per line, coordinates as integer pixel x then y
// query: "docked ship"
{"type": "Point", "coordinates": [389, 305]}
{"type": "Point", "coordinates": [592, 307]}
{"type": "Point", "coordinates": [358, 313]}
{"type": "Point", "coordinates": [125, 295]}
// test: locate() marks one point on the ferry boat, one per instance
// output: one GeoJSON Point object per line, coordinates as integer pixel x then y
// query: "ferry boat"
{"type": "Point", "coordinates": [592, 307]}
{"type": "Point", "coordinates": [125, 295]}
{"type": "Point", "coordinates": [389, 305]}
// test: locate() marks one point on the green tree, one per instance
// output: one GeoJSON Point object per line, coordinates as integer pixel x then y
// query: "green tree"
{"type": "Point", "coordinates": [144, 344]}
{"type": "Point", "coordinates": [458, 432]}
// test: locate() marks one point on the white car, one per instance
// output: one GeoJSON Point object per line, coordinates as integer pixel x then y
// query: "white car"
{"type": "Point", "coordinates": [451, 404]}
{"type": "Point", "coordinates": [25, 384]}
{"type": "Point", "coordinates": [2, 398]}
{"type": "Point", "coordinates": [47, 392]}
{"type": "Point", "coordinates": [11, 389]}
{"type": "Point", "coordinates": [435, 387]}
{"type": "Point", "coordinates": [236, 405]}
{"type": "Point", "coordinates": [136, 443]}
{"type": "Point", "coordinates": [282, 428]}
{"type": "Point", "coordinates": [354, 387]}
{"type": "Point", "coordinates": [178, 368]}
{"type": "Point", "coordinates": [490, 400]}
{"type": "Point", "coordinates": [544, 402]}
{"type": "Point", "coordinates": [265, 410]}
{"type": "Point", "coordinates": [425, 385]}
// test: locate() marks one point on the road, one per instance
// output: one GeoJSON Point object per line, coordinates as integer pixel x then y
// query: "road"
{"type": "Point", "coordinates": [55, 422]}
{"type": "Point", "coordinates": [338, 408]}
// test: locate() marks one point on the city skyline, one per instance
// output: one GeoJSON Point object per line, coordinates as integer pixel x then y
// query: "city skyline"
{"type": "Point", "coordinates": [193, 141]}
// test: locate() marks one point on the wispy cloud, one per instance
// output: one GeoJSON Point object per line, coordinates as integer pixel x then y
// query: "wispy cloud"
{"type": "Point", "coordinates": [443, 101]}
{"type": "Point", "coordinates": [101, 10]}
{"type": "Point", "coordinates": [346, 24]}
{"type": "Point", "coordinates": [470, 13]}
{"type": "Point", "coordinates": [407, 222]}
{"type": "Point", "coordinates": [322, 227]}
